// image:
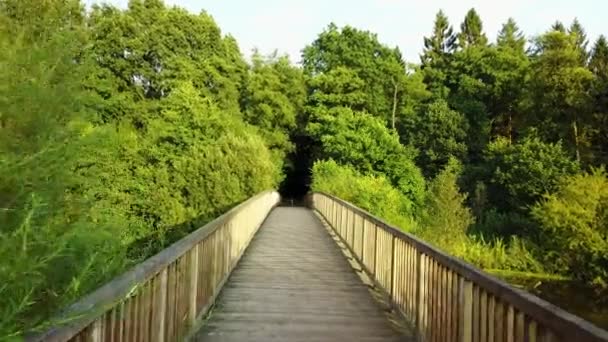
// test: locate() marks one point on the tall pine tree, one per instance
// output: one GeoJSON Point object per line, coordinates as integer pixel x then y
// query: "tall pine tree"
{"type": "Point", "coordinates": [471, 31]}
{"type": "Point", "coordinates": [577, 31]}
{"type": "Point", "coordinates": [510, 36]}
{"type": "Point", "coordinates": [436, 55]}
{"type": "Point", "coordinates": [598, 64]}
{"type": "Point", "coordinates": [558, 26]}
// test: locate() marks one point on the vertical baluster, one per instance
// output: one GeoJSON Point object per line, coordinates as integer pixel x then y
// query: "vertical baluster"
{"type": "Point", "coordinates": [466, 310]}
{"type": "Point", "coordinates": [491, 315]}
{"type": "Point", "coordinates": [510, 323]}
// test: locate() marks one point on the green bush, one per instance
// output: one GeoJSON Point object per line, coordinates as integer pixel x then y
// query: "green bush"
{"type": "Point", "coordinates": [446, 223]}
{"type": "Point", "coordinates": [364, 143]}
{"type": "Point", "coordinates": [445, 216]}
{"type": "Point", "coordinates": [370, 192]}
{"type": "Point", "coordinates": [521, 173]}
{"type": "Point", "coordinates": [574, 226]}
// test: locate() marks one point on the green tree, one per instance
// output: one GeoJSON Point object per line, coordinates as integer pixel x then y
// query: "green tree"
{"type": "Point", "coordinates": [380, 68]}
{"type": "Point", "coordinates": [576, 30]}
{"type": "Point", "coordinates": [274, 100]}
{"type": "Point", "coordinates": [446, 218]}
{"type": "Point", "coordinates": [598, 64]}
{"type": "Point", "coordinates": [558, 26]}
{"type": "Point", "coordinates": [560, 92]}
{"type": "Point", "coordinates": [510, 36]}
{"type": "Point", "coordinates": [439, 133]}
{"type": "Point", "coordinates": [137, 64]}
{"type": "Point", "coordinates": [471, 31]}
{"type": "Point", "coordinates": [373, 193]}
{"type": "Point", "coordinates": [574, 220]}
{"type": "Point", "coordinates": [486, 86]}
{"type": "Point", "coordinates": [521, 173]}
{"type": "Point", "coordinates": [436, 54]}
{"type": "Point", "coordinates": [364, 142]}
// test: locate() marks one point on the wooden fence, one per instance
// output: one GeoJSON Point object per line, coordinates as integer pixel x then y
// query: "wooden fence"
{"type": "Point", "coordinates": [445, 298]}
{"type": "Point", "coordinates": [162, 298]}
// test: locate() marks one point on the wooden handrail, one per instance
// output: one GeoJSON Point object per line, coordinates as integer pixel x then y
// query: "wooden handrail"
{"type": "Point", "coordinates": [445, 298]}
{"type": "Point", "coordinates": [164, 296]}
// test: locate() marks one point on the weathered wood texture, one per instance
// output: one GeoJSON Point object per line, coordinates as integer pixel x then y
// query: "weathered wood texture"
{"type": "Point", "coordinates": [445, 298]}
{"type": "Point", "coordinates": [162, 298]}
{"type": "Point", "coordinates": [294, 284]}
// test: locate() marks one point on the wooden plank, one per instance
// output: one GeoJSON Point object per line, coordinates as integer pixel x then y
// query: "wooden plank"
{"type": "Point", "coordinates": [510, 322]}
{"type": "Point", "coordinates": [450, 336]}
{"type": "Point", "coordinates": [519, 326]}
{"type": "Point", "coordinates": [500, 320]}
{"type": "Point", "coordinates": [466, 310]}
{"type": "Point", "coordinates": [532, 331]}
{"type": "Point", "coordinates": [393, 268]}
{"type": "Point", "coordinates": [483, 316]}
{"type": "Point", "coordinates": [476, 316]}
{"type": "Point", "coordinates": [455, 307]}
{"type": "Point", "coordinates": [491, 315]}
{"type": "Point", "coordinates": [193, 288]}
{"type": "Point", "coordinates": [420, 294]}
{"type": "Point", "coordinates": [294, 283]}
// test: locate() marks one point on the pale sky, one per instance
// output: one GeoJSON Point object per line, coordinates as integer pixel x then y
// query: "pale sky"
{"type": "Point", "coordinates": [288, 26]}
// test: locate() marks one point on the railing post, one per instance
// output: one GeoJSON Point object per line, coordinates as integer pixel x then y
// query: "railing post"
{"type": "Point", "coordinates": [420, 302]}
{"type": "Point", "coordinates": [160, 305]}
{"type": "Point", "coordinates": [376, 252]}
{"type": "Point", "coordinates": [352, 229]}
{"type": "Point", "coordinates": [393, 268]}
{"type": "Point", "coordinates": [363, 230]}
{"type": "Point", "coordinates": [465, 311]}
{"type": "Point", "coordinates": [193, 284]}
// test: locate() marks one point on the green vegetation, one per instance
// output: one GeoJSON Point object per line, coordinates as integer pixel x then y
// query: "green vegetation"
{"type": "Point", "coordinates": [115, 142]}
{"type": "Point", "coordinates": [506, 135]}
{"type": "Point", "coordinates": [121, 130]}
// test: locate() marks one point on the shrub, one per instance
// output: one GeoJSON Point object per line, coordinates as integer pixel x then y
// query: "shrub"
{"type": "Point", "coordinates": [574, 226]}
{"type": "Point", "coordinates": [521, 173]}
{"type": "Point", "coordinates": [370, 192]}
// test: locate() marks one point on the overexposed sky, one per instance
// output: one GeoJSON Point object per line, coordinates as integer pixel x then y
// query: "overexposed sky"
{"type": "Point", "coordinates": [289, 25]}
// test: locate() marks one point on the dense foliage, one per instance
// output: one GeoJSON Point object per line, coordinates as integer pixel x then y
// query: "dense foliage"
{"type": "Point", "coordinates": [116, 141]}
{"type": "Point", "coordinates": [503, 132]}
{"type": "Point", "coordinates": [121, 130]}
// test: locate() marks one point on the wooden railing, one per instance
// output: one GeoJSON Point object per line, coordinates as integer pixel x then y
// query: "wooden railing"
{"type": "Point", "coordinates": [164, 297]}
{"type": "Point", "coordinates": [444, 298]}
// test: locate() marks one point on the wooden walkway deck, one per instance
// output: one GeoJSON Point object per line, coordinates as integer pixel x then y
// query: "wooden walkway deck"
{"type": "Point", "coordinates": [294, 284]}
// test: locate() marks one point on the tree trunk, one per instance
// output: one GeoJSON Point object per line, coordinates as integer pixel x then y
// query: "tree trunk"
{"type": "Point", "coordinates": [576, 142]}
{"type": "Point", "coordinates": [394, 103]}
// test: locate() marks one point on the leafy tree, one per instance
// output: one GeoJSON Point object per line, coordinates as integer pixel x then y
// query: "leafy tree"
{"type": "Point", "coordinates": [598, 64]}
{"type": "Point", "coordinates": [381, 69]}
{"type": "Point", "coordinates": [560, 91]}
{"type": "Point", "coordinates": [340, 87]}
{"type": "Point", "coordinates": [439, 133]}
{"type": "Point", "coordinates": [137, 64]}
{"type": "Point", "coordinates": [471, 31]}
{"type": "Point", "coordinates": [574, 221]}
{"type": "Point", "coordinates": [274, 100]}
{"type": "Point", "coordinates": [364, 142]}
{"type": "Point", "coordinates": [436, 54]}
{"type": "Point", "coordinates": [38, 20]}
{"type": "Point", "coordinates": [521, 173]}
{"type": "Point", "coordinates": [486, 86]}
{"type": "Point", "coordinates": [373, 193]}
{"type": "Point", "coordinates": [44, 229]}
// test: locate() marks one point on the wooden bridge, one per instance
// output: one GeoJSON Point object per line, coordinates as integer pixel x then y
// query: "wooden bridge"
{"type": "Point", "coordinates": [330, 272]}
